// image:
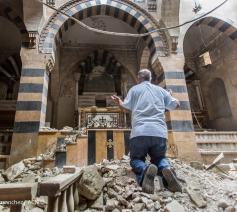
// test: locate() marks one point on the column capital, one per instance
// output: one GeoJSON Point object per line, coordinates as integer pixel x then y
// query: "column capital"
{"type": "Point", "coordinates": [172, 62]}
{"type": "Point", "coordinates": [31, 58]}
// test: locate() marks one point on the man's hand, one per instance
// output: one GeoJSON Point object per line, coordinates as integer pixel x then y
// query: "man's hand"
{"type": "Point", "coordinates": [178, 104]}
{"type": "Point", "coordinates": [119, 102]}
{"type": "Point", "coordinates": [170, 91]}
{"type": "Point", "coordinates": [116, 99]}
{"type": "Point", "coordinates": [177, 101]}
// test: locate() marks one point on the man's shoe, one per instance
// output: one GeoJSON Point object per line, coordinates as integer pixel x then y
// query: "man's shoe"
{"type": "Point", "coordinates": [148, 179]}
{"type": "Point", "coordinates": [171, 180]}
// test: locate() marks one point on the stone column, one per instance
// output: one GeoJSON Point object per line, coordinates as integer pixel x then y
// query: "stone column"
{"type": "Point", "coordinates": [179, 122]}
{"type": "Point", "coordinates": [124, 84]}
{"type": "Point", "coordinates": [124, 93]}
{"type": "Point", "coordinates": [77, 76]}
{"type": "Point", "coordinates": [31, 105]}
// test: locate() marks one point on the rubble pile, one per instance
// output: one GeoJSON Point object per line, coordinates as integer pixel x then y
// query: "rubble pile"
{"type": "Point", "coordinates": [28, 171]}
{"type": "Point", "coordinates": [80, 131]}
{"type": "Point", "coordinates": [111, 186]}
{"type": "Point", "coordinates": [71, 139]}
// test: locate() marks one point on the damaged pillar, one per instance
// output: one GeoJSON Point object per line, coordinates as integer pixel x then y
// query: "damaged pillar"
{"type": "Point", "coordinates": [31, 105]}
{"type": "Point", "coordinates": [77, 76]}
{"type": "Point", "coordinates": [179, 122]}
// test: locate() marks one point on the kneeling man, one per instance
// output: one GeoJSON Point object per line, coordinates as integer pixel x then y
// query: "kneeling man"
{"type": "Point", "coordinates": [147, 103]}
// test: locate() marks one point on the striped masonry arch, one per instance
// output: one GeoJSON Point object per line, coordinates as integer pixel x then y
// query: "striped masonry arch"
{"type": "Point", "coordinates": [223, 25]}
{"type": "Point", "coordinates": [124, 10]}
{"type": "Point", "coordinates": [175, 79]}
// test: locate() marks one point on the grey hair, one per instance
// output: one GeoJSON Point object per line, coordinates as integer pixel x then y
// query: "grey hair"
{"type": "Point", "coordinates": [145, 74]}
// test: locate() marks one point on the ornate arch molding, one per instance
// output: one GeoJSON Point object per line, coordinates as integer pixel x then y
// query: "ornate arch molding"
{"type": "Point", "coordinates": [124, 10]}
{"type": "Point", "coordinates": [223, 25]}
{"type": "Point", "coordinates": [103, 58]}
{"type": "Point", "coordinates": [50, 65]}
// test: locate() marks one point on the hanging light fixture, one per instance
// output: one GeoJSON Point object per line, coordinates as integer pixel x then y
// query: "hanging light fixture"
{"type": "Point", "coordinates": [197, 6]}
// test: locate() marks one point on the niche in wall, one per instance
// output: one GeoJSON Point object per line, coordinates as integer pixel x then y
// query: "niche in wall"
{"type": "Point", "coordinates": [220, 107]}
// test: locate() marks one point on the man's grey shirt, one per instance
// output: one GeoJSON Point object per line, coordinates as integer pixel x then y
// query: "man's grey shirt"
{"type": "Point", "coordinates": [148, 103]}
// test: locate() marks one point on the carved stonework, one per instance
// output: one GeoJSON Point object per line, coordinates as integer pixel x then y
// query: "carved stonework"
{"type": "Point", "coordinates": [32, 40]}
{"type": "Point", "coordinates": [50, 65]}
{"type": "Point", "coordinates": [100, 118]}
{"type": "Point", "coordinates": [152, 5]}
{"type": "Point", "coordinates": [50, 2]}
{"type": "Point", "coordinates": [44, 35]}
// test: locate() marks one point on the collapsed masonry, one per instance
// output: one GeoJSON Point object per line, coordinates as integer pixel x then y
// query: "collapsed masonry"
{"type": "Point", "coordinates": [111, 186]}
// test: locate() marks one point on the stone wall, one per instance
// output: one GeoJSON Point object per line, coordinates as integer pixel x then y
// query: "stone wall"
{"type": "Point", "coordinates": [221, 102]}
{"type": "Point", "coordinates": [69, 63]}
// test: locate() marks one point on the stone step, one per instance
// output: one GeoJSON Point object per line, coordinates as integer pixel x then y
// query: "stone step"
{"type": "Point", "coordinates": [217, 152]}
{"type": "Point", "coordinates": [218, 147]}
{"type": "Point", "coordinates": [217, 142]}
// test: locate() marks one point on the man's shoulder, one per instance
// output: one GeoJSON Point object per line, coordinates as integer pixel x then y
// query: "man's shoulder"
{"type": "Point", "coordinates": [135, 87]}
{"type": "Point", "coordinates": [143, 85]}
{"type": "Point", "coordinates": [157, 87]}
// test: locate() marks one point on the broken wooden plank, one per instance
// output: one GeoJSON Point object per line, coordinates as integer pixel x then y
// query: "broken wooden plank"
{"type": "Point", "coordinates": [217, 160]}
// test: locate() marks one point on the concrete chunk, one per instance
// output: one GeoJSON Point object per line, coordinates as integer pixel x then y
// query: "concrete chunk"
{"type": "Point", "coordinates": [174, 206]}
{"type": "Point", "coordinates": [14, 171]}
{"type": "Point", "coordinates": [197, 198]}
{"type": "Point", "coordinates": [91, 183]}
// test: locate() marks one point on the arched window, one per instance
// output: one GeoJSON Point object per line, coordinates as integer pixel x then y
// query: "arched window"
{"type": "Point", "coordinates": [220, 106]}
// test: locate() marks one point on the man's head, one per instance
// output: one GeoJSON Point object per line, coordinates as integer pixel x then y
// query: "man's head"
{"type": "Point", "coordinates": [144, 75]}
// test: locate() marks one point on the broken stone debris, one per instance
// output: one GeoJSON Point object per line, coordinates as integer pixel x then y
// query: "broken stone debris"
{"type": "Point", "coordinates": [196, 197]}
{"type": "Point", "coordinates": [91, 183]}
{"type": "Point", "coordinates": [67, 128]}
{"type": "Point", "coordinates": [47, 129]}
{"type": "Point", "coordinates": [14, 171]}
{"type": "Point", "coordinates": [203, 190]}
{"type": "Point", "coordinates": [222, 204]}
{"type": "Point", "coordinates": [111, 186]}
{"type": "Point", "coordinates": [80, 131]}
{"type": "Point", "coordinates": [28, 171]}
{"type": "Point", "coordinates": [196, 165]}
{"type": "Point", "coordinates": [174, 206]}
{"type": "Point", "coordinates": [71, 139]}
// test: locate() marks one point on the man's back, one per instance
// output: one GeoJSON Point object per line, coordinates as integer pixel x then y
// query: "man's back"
{"type": "Point", "coordinates": [148, 102]}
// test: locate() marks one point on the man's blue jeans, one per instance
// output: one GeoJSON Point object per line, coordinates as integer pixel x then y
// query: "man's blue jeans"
{"type": "Point", "coordinates": [155, 147]}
